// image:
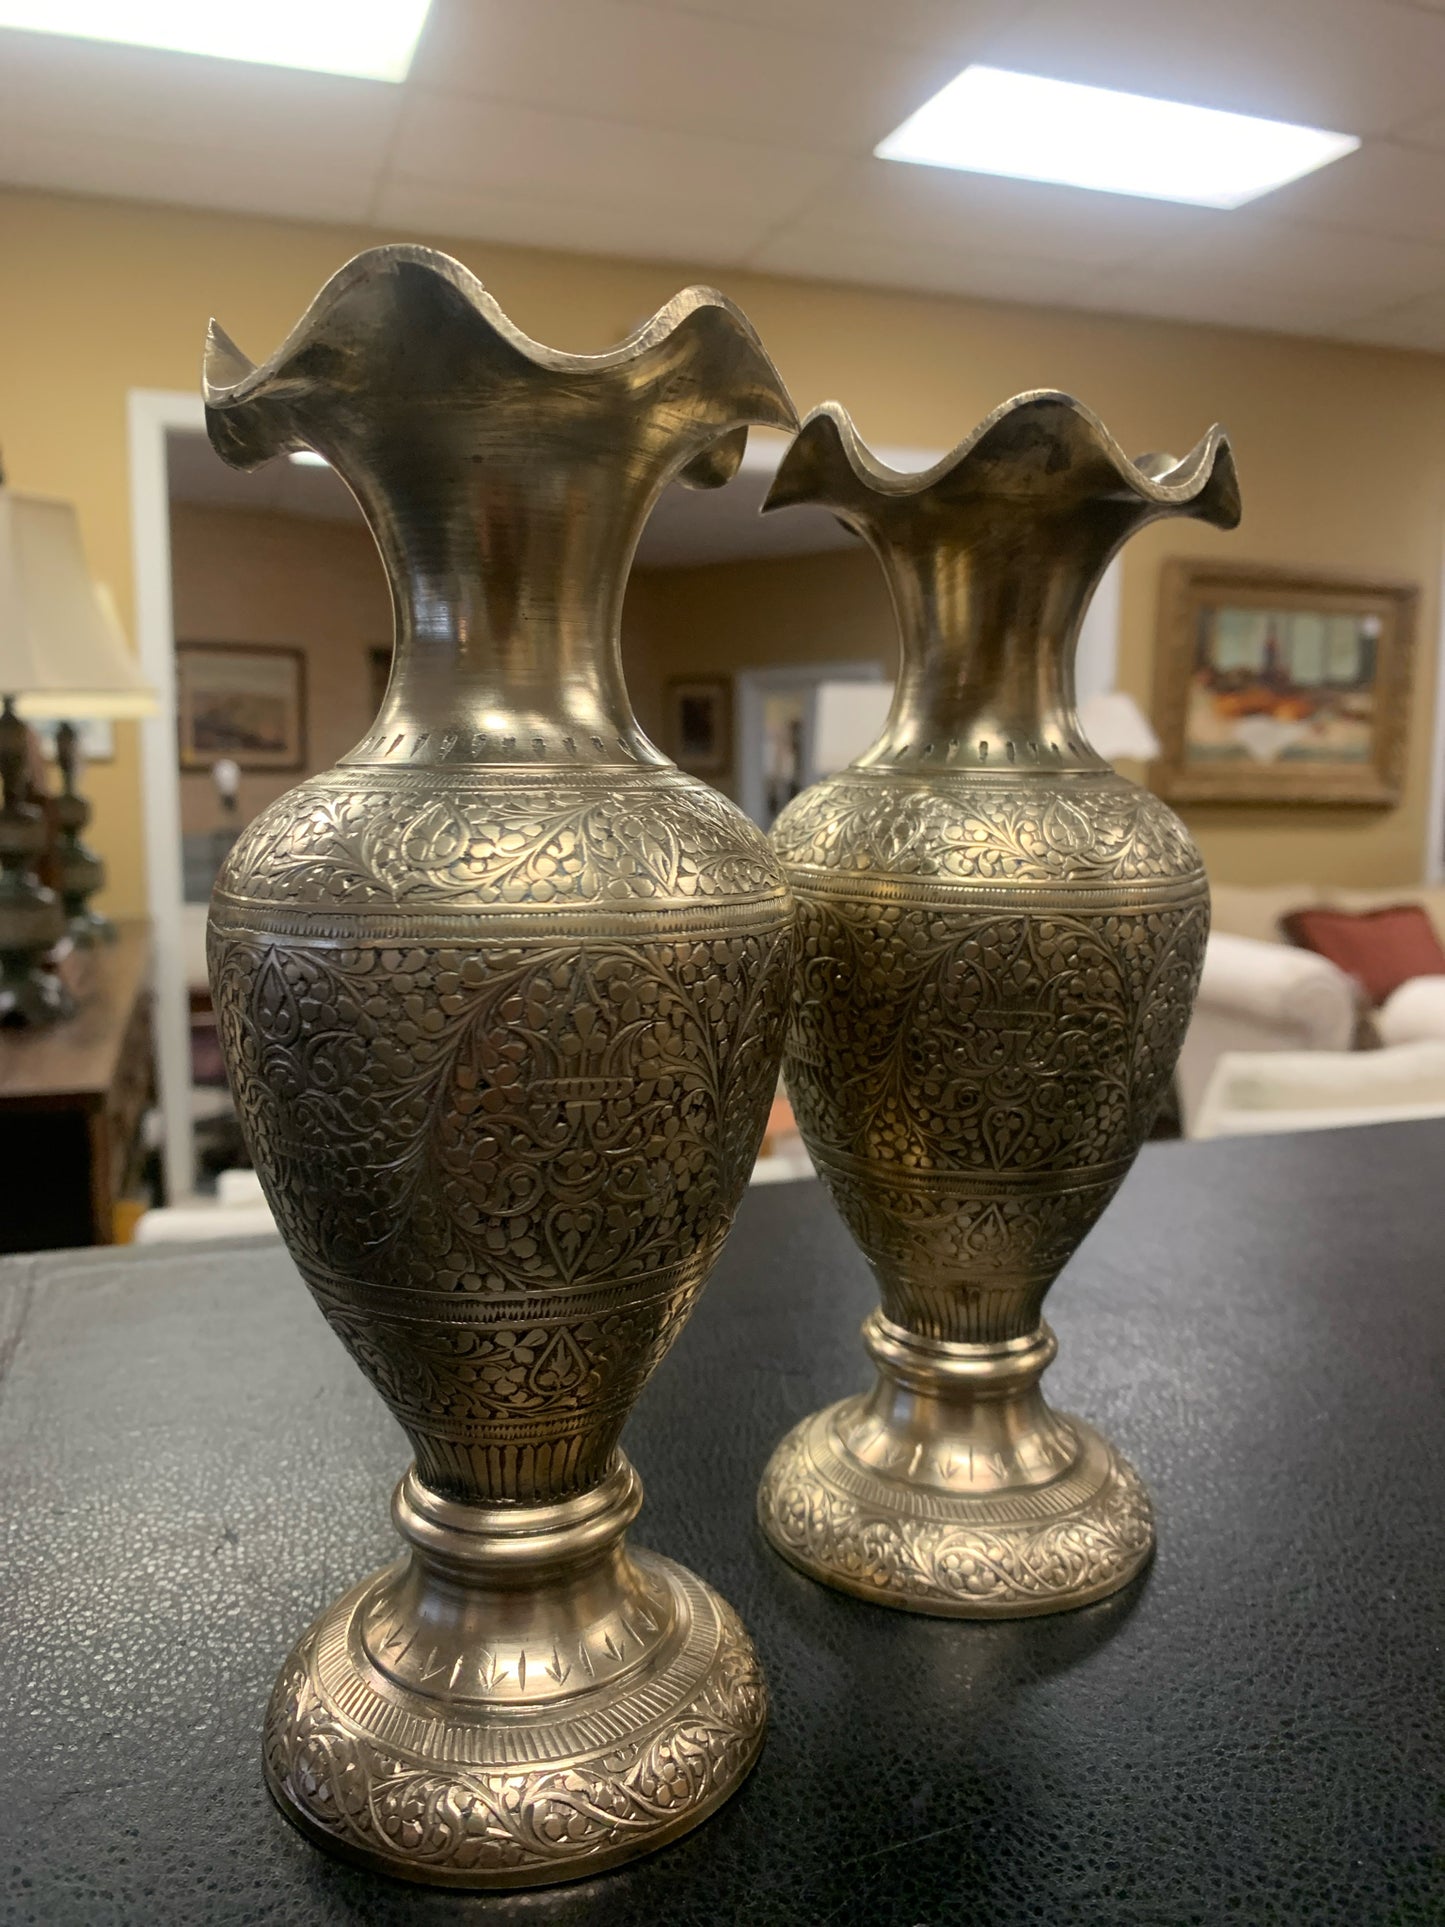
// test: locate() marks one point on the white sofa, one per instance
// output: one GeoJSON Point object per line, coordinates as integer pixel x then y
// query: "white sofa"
{"type": "Point", "coordinates": [1256, 1091]}
{"type": "Point", "coordinates": [1260, 993]}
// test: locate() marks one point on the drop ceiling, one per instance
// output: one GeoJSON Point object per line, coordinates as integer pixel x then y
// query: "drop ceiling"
{"type": "Point", "coordinates": [739, 133]}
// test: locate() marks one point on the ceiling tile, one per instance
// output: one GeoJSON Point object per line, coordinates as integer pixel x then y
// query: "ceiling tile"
{"type": "Point", "coordinates": [1384, 188]}
{"type": "Point", "coordinates": [1253, 271]}
{"type": "Point", "coordinates": [1270, 310]}
{"type": "Point", "coordinates": [407, 206]}
{"type": "Point", "coordinates": [237, 181]}
{"type": "Point", "coordinates": [660, 67]}
{"type": "Point", "coordinates": [953, 27]}
{"type": "Point", "coordinates": [528, 151]}
{"type": "Point", "coordinates": [1332, 266]}
{"type": "Point", "coordinates": [89, 91]}
{"type": "Point", "coordinates": [935, 207]}
{"type": "Point", "coordinates": [1356, 66]}
{"type": "Point", "coordinates": [874, 261]}
{"type": "Point", "coordinates": [718, 132]}
{"type": "Point", "coordinates": [1429, 130]}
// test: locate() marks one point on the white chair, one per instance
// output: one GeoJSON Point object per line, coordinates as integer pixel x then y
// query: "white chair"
{"type": "Point", "coordinates": [1260, 997]}
{"type": "Point", "coordinates": [1254, 1092]}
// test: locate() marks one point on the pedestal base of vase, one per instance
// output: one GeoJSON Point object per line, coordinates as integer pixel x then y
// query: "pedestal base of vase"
{"type": "Point", "coordinates": [522, 1700]}
{"type": "Point", "coordinates": [952, 1488]}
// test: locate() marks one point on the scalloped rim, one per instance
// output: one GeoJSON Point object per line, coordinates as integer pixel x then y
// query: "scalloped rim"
{"type": "Point", "coordinates": [220, 349]}
{"type": "Point", "coordinates": [1195, 471]}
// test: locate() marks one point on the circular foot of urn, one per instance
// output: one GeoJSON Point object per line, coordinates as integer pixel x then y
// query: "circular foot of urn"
{"type": "Point", "coordinates": [505, 1796]}
{"type": "Point", "coordinates": [1007, 1554]}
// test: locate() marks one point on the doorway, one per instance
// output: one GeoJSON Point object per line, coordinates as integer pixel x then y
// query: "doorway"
{"type": "Point", "coordinates": [777, 730]}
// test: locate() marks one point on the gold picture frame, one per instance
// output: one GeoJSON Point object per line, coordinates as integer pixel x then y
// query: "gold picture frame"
{"type": "Point", "coordinates": [246, 701]}
{"type": "Point", "coordinates": [1279, 685]}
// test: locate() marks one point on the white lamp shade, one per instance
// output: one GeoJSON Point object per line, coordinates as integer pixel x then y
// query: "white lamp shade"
{"type": "Point", "coordinates": [62, 649]}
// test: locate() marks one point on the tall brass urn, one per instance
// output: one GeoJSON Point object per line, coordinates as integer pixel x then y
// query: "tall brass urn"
{"type": "Point", "coordinates": [1001, 940]}
{"type": "Point", "coordinates": [501, 998]}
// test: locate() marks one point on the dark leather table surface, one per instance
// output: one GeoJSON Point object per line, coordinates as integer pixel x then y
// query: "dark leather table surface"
{"type": "Point", "coordinates": [190, 1467]}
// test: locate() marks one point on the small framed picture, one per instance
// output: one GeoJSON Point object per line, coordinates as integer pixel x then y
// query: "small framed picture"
{"type": "Point", "coordinates": [242, 700]}
{"type": "Point", "coordinates": [699, 718]}
{"type": "Point", "coordinates": [1281, 685]}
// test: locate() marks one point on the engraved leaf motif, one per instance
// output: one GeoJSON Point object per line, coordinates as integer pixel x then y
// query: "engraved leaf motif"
{"type": "Point", "coordinates": [1066, 828]}
{"type": "Point", "coordinates": [326, 843]}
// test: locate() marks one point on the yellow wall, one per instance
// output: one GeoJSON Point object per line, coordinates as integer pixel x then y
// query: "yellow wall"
{"type": "Point", "coordinates": [1341, 450]}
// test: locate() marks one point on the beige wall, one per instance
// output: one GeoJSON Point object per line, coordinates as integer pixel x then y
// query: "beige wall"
{"type": "Point", "coordinates": [1341, 450]}
{"type": "Point", "coordinates": [289, 580]}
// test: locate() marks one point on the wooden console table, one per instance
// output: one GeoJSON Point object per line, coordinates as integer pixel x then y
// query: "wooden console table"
{"type": "Point", "coordinates": [72, 1097]}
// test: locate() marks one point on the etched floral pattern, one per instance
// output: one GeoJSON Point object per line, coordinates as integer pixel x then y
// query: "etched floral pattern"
{"type": "Point", "coordinates": [345, 839]}
{"type": "Point", "coordinates": [975, 1568]}
{"type": "Point", "coordinates": [457, 1822]}
{"type": "Point", "coordinates": [505, 1164]}
{"type": "Point", "coordinates": [971, 829]}
{"type": "Point", "coordinates": [979, 1042]}
{"type": "Point", "coordinates": [525, 1155]}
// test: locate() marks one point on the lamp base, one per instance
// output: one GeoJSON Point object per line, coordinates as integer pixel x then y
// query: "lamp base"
{"type": "Point", "coordinates": [520, 1701]}
{"type": "Point", "coordinates": [953, 1489]}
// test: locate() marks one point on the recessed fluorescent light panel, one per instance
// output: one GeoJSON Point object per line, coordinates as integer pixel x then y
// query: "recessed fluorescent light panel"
{"type": "Point", "coordinates": [366, 39]}
{"type": "Point", "coordinates": [990, 121]}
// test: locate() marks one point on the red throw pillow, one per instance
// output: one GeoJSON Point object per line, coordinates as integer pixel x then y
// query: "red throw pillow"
{"type": "Point", "coordinates": [1381, 949]}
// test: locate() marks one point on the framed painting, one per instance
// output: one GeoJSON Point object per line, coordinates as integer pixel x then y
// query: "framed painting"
{"type": "Point", "coordinates": [699, 723]}
{"type": "Point", "coordinates": [1281, 685]}
{"type": "Point", "coordinates": [242, 700]}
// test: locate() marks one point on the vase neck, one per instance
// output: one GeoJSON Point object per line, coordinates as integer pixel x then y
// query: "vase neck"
{"type": "Point", "coordinates": [991, 557]}
{"type": "Point", "coordinates": [507, 575]}
{"type": "Point", "coordinates": [989, 611]}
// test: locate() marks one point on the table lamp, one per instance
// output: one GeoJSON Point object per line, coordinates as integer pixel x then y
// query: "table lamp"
{"type": "Point", "coordinates": [113, 690]}
{"type": "Point", "coordinates": [62, 655]}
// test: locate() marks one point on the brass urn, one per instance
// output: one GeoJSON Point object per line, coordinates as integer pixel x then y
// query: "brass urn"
{"type": "Point", "coordinates": [502, 998]}
{"type": "Point", "coordinates": [1000, 944]}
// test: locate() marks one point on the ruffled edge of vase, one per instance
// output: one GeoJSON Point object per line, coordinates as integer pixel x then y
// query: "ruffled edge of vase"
{"type": "Point", "coordinates": [828, 464]}
{"type": "Point", "coordinates": [229, 379]}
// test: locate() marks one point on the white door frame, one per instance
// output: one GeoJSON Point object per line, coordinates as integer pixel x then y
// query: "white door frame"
{"type": "Point", "coordinates": [750, 688]}
{"type": "Point", "coordinates": [1435, 827]}
{"type": "Point", "coordinates": [151, 414]}
{"type": "Point", "coordinates": [1096, 660]}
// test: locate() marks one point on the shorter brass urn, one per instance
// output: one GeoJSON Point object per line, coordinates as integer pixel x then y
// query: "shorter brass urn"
{"type": "Point", "coordinates": [1001, 940]}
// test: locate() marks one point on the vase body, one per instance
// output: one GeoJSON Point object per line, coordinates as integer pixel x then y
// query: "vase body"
{"type": "Point", "coordinates": [1000, 944]}
{"type": "Point", "coordinates": [501, 998]}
